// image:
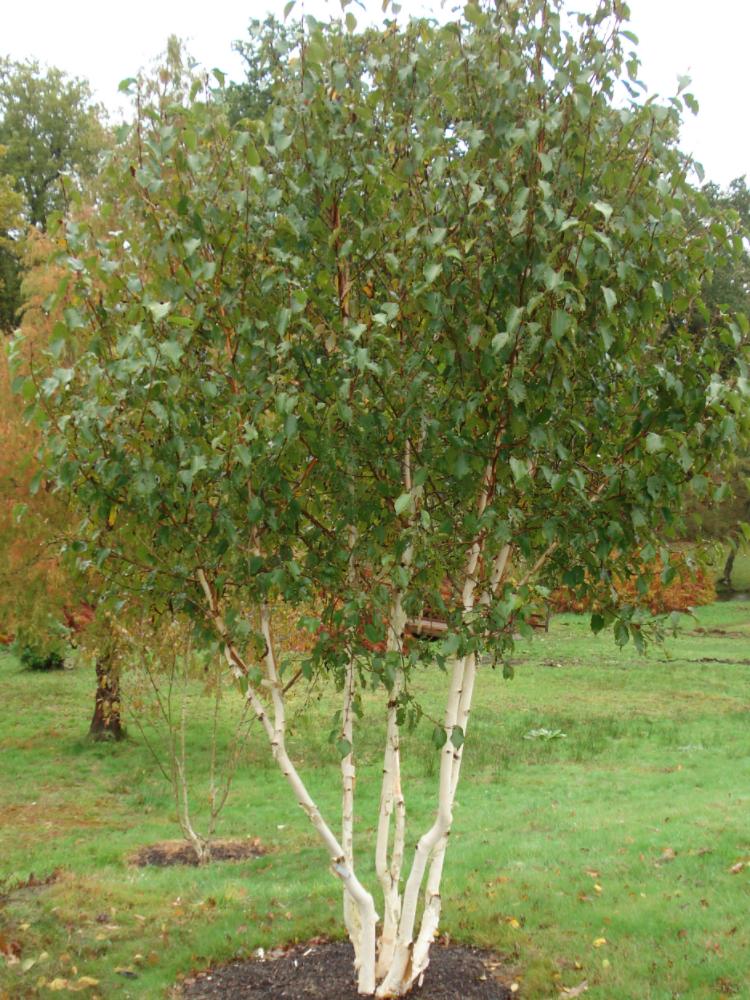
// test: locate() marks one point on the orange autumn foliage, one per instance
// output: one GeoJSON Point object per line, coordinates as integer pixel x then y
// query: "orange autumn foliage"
{"type": "Point", "coordinates": [35, 589]}
{"type": "Point", "coordinates": [692, 587]}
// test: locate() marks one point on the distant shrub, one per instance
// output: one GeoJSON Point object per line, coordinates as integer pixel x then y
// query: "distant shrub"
{"type": "Point", "coordinates": [690, 587]}
{"type": "Point", "coordinates": [37, 658]}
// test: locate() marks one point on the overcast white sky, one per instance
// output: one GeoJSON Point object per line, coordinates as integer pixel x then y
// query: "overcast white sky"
{"type": "Point", "coordinates": [107, 42]}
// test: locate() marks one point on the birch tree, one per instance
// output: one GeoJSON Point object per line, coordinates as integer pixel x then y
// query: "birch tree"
{"type": "Point", "coordinates": [415, 338]}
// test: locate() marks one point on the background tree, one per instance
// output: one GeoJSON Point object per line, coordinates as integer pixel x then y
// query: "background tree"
{"type": "Point", "coordinates": [46, 601]}
{"type": "Point", "coordinates": [725, 519]}
{"type": "Point", "coordinates": [727, 290]}
{"type": "Point", "coordinates": [50, 127]}
{"type": "Point", "coordinates": [426, 320]}
{"type": "Point", "coordinates": [34, 588]}
{"type": "Point", "coordinates": [10, 225]}
{"type": "Point", "coordinates": [265, 52]}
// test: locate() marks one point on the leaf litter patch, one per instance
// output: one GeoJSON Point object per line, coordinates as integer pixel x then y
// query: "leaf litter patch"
{"type": "Point", "coordinates": [180, 852]}
{"type": "Point", "coordinates": [324, 970]}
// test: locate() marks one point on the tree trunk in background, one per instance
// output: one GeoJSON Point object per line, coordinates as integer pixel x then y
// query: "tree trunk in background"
{"type": "Point", "coordinates": [106, 723]}
{"type": "Point", "coordinates": [726, 576]}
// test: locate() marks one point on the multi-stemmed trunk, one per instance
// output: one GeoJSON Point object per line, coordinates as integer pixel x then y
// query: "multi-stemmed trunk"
{"type": "Point", "coordinates": [387, 963]}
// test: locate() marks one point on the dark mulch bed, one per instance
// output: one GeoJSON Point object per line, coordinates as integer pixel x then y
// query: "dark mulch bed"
{"type": "Point", "coordinates": [325, 971]}
{"type": "Point", "coordinates": [179, 852]}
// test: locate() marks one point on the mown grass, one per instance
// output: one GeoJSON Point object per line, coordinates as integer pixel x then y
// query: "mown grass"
{"type": "Point", "coordinates": [602, 855]}
{"type": "Point", "coordinates": [741, 570]}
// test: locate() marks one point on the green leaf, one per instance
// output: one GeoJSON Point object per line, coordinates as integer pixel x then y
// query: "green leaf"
{"type": "Point", "coordinates": [171, 350]}
{"type": "Point", "coordinates": [159, 309]}
{"type": "Point", "coordinates": [477, 193]}
{"type": "Point", "coordinates": [457, 737]}
{"type": "Point", "coordinates": [654, 443]}
{"type": "Point", "coordinates": [403, 503]}
{"type": "Point", "coordinates": [517, 391]}
{"type": "Point", "coordinates": [290, 426]}
{"type": "Point", "coordinates": [450, 645]}
{"type": "Point", "coordinates": [668, 575]}
{"type": "Point", "coordinates": [519, 468]}
{"type": "Point", "coordinates": [609, 297]}
{"type": "Point", "coordinates": [431, 271]}
{"type": "Point", "coordinates": [513, 319]}
{"type": "Point", "coordinates": [282, 321]}
{"type": "Point", "coordinates": [560, 323]}
{"type": "Point", "coordinates": [439, 737]}
{"type": "Point", "coordinates": [604, 208]}
{"type": "Point", "coordinates": [622, 633]}
{"type": "Point", "coordinates": [374, 633]}
{"type": "Point", "coordinates": [597, 623]}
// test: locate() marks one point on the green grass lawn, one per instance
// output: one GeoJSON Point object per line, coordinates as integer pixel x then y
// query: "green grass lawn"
{"type": "Point", "coordinates": [741, 570]}
{"type": "Point", "coordinates": [605, 855]}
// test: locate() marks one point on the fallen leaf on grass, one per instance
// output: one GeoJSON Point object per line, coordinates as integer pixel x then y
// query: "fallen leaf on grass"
{"type": "Point", "coordinates": [736, 869]}
{"type": "Point", "coordinates": [667, 855]}
{"type": "Point", "coordinates": [575, 991]}
{"type": "Point", "coordinates": [84, 983]}
{"type": "Point", "coordinates": [126, 973]}
{"type": "Point", "coordinates": [10, 950]}
{"type": "Point", "coordinates": [598, 942]}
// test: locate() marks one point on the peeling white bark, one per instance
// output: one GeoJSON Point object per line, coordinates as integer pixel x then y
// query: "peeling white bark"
{"type": "Point", "coordinates": [391, 804]}
{"type": "Point", "coordinates": [412, 957]}
{"type": "Point", "coordinates": [348, 776]}
{"type": "Point", "coordinates": [276, 731]}
{"type": "Point", "coordinates": [361, 897]}
{"type": "Point", "coordinates": [401, 959]}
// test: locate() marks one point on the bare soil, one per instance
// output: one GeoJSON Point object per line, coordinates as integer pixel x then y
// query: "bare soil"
{"type": "Point", "coordinates": [324, 970]}
{"type": "Point", "coordinates": [179, 852]}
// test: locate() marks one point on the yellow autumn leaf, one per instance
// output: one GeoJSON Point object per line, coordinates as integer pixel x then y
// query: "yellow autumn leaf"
{"type": "Point", "coordinates": [598, 942]}
{"type": "Point", "coordinates": [85, 981]}
{"type": "Point", "coordinates": [58, 984]}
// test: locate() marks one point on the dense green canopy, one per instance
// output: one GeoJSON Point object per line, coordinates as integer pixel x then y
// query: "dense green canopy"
{"type": "Point", "coordinates": [447, 236]}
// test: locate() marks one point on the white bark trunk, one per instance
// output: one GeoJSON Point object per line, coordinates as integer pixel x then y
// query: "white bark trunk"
{"type": "Point", "coordinates": [361, 897]}
{"type": "Point", "coordinates": [348, 777]}
{"type": "Point", "coordinates": [433, 900]}
{"type": "Point", "coordinates": [276, 732]}
{"type": "Point", "coordinates": [392, 799]}
{"type": "Point", "coordinates": [411, 958]}
{"type": "Point", "coordinates": [399, 976]}
{"type": "Point", "coordinates": [391, 804]}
